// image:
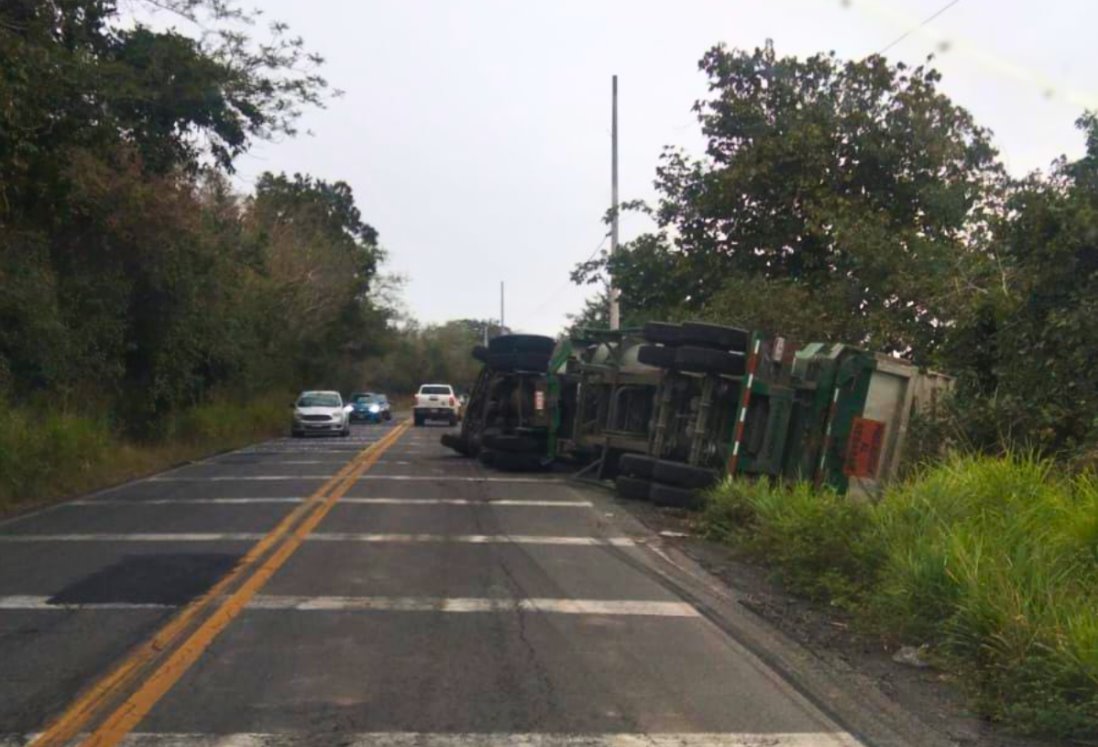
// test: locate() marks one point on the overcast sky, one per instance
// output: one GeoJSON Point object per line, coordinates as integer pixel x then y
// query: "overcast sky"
{"type": "Point", "coordinates": [476, 133]}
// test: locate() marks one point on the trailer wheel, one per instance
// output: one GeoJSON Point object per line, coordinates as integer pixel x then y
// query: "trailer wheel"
{"type": "Point", "coordinates": [633, 488]}
{"type": "Point", "coordinates": [480, 353]}
{"type": "Point", "coordinates": [706, 360]}
{"type": "Point", "coordinates": [715, 336]}
{"type": "Point", "coordinates": [682, 475]}
{"type": "Point", "coordinates": [636, 465]}
{"type": "Point", "coordinates": [513, 444]}
{"type": "Point", "coordinates": [674, 497]}
{"type": "Point", "coordinates": [522, 344]}
{"type": "Point", "coordinates": [661, 332]}
{"type": "Point", "coordinates": [455, 442]}
{"type": "Point", "coordinates": [654, 355]}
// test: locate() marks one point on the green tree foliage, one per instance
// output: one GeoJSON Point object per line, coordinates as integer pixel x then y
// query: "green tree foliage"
{"type": "Point", "coordinates": [850, 186]}
{"type": "Point", "coordinates": [1027, 350]}
{"type": "Point", "coordinates": [431, 353]}
{"type": "Point", "coordinates": [131, 277]}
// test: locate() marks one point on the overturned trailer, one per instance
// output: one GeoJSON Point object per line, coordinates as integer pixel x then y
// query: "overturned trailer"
{"type": "Point", "coordinates": [668, 409]}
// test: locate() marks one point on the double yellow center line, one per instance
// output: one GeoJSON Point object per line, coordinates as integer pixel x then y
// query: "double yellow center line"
{"type": "Point", "coordinates": [148, 672]}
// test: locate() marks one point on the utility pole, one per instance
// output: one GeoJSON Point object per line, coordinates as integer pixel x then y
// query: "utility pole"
{"type": "Point", "coordinates": [501, 307]}
{"type": "Point", "coordinates": [615, 311]}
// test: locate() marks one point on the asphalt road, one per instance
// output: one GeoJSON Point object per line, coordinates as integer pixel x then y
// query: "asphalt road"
{"type": "Point", "coordinates": [417, 598]}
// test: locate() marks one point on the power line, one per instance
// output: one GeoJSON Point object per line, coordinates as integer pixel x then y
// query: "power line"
{"type": "Point", "coordinates": [526, 315]}
{"type": "Point", "coordinates": [913, 29]}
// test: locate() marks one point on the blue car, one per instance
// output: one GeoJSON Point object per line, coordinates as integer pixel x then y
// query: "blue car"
{"type": "Point", "coordinates": [369, 407]}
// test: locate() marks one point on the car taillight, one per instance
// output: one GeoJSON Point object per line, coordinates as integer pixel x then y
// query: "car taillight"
{"type": "Point", "coordinates": [452, 402]}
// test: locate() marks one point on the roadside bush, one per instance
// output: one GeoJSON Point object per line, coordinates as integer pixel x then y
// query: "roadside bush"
{"type": "Point", "coordinates": [821, 543]}
{"type": "Point", "coordinates": [48, 454]}
{"type": "Point", "coordinates": [40, 450]}
{"type": "Point", "coordinates": [223, 423]}
{"type": "Point", "coordinates": [993, 562]}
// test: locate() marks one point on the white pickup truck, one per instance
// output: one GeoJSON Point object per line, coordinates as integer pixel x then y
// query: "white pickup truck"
{"type": "Point", "coordinates": [436, 402]}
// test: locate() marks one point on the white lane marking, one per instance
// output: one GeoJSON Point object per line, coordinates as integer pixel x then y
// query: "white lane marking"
{"type": "Point", "coordinates": [464, 502]}
{"type": "Point", "coordinates": [252, 463]}
{"type": "Point", "coordinates": [543, 480]}
{"type": "Point", "coordinates": [228, 478]}
{"type": "Point", "coordinates": [441, 604]}
{"type": "Point", "coordinates": [378, 501]}
{"type": "Point", "coordinates": [476, 539]}
{"type": "Point", "coordinates": [634, 608]}
{"type": "Point", "coordinates": [275, 452]}
{"type": "Point", "coordinates": [415, 739]}
{"type": "Point", "coordinates": [177, 501]}
{"type": "Point", "coordinates": [22, 602]}
{"type": "Point", "coordinates": [629, 607]}
{"type": "Point", "coordinates": [133, 537]}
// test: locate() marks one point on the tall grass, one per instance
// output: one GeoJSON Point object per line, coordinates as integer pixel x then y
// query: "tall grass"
{"type": "Point", "coordinates": [992, 561]}
{"type": "Point", "coordinates": [47, 454]}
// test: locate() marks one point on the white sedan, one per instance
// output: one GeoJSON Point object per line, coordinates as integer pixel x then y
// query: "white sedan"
{"type": "Point", "coordinates": [320, 412]}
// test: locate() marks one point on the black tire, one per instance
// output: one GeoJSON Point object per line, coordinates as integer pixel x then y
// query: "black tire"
{"type": "Point", "coordinates": [537, 362]}
{"type": "Point", "coordinates": [480, 353]}
{"type": "Point", "coordinates": [387, 416]}
{"type": "Point", "coordinates": [455, 442]}
{"type": "Point", "coordinates": [453, 420]}
{"type": "Point", "coordinates": [715, 336]}
{"type": "Point", "coordinates": [670, 496]}
{"type": "Point", "coordinates": [636, 465]}
{"type": "Point", "coordinates": [683, 475]}
{"type": "Point", "coordinates": [654, 355]}
{"type": "Point", "coordinates": [345, 432]}
{"type": "Point", "coordinates": [296, 434]}
{"type": "Point", "coordinates": [538, 344]}
{"type": "Point", "coordinates": [418, 420]}
{"type": "Point", "coordinates": [707, 360]}
{"type": "Point", "coordinates": [513, 444]}
{"type": "Point", "coordinates": [487, 457]}
{"type": "Point", "coordinates": [511, 462]}
{"type": "Point", "coordinates": [661, 332]}
{"type": "Point", "coordinates": [634, 488]}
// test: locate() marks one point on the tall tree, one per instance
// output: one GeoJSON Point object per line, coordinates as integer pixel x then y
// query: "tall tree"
{"type": "Point", "coordinates": [1026, 351]}
{"type": "Point", "coordinates": [857, 184]}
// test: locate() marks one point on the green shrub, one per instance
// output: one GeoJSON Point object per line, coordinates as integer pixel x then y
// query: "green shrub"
{"type": "Point", "coordinates": [46, 454]}
{"type": "Point", "coordinates": [820, 542]}
{"type": "Point", "coordinates": [995, 561]}
{"type": "Point", "coordinates": [991, 561]}
{"type": "Point", "coordinates": [40, 450]}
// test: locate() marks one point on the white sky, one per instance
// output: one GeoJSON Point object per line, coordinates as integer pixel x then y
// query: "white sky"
{"type": "Point", "coordinates": [476, 133]}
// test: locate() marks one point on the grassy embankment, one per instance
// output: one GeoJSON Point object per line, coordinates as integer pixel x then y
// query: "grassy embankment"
{"type": "Point", "coordinates": [993, 563]}
{"type": "Point", "coordinates": [46, 455]}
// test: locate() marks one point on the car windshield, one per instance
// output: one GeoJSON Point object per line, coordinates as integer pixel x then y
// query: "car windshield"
{"type": "Point", "coordinates": [363, 398]}
{"type": "Point", "coordinates": [434, 390]}
{"type": "Point", "coordinates": [318, 399]}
